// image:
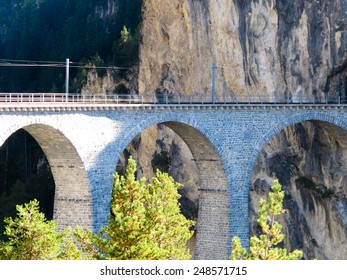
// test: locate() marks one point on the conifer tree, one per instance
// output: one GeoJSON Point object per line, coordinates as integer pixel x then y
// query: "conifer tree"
{"type": "Point", "coordinates": [29, 236]}
{"type": "Point", "coordinates": [263, 247]}
{"type": "Point", "coordinates": [145, 221]}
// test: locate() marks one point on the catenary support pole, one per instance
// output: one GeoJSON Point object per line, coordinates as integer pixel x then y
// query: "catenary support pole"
{"type": "Point", "coordinates": [214, 68]}
{"type": "Point", "coordinates": [67, 79]}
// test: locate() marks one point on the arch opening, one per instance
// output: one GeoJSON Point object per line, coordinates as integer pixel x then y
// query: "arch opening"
{"type": "Point", "coordinates": [72, 202]}
{"type": "Point", "coordinates": [25, 175]}
{"type": "Point", "coordinates": [310, 160]}
{"type": "Point", "coordinates": [191, 159]}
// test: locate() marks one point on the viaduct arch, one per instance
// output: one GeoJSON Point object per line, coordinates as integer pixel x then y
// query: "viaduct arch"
{"type": "Point", "coordinates": [71, 182]}
{"type": "Point", "coordinates": [328, 121]}
{"type": "Point", "coordinates": [213, 217]}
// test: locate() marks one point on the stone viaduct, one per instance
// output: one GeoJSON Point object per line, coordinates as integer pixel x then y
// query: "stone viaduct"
{"type": "Point", "coordinates": [84, 142]}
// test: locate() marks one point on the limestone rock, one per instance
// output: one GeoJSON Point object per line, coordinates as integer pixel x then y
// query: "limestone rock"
{"type": "Point", "coordinates": [282, 48]}
{"type": "Point", "coordinates": [112, 82]}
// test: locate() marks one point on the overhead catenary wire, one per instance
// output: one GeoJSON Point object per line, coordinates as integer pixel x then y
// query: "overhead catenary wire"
{"type": "Point", "coordinates": [54, 64]}
{"type": "Point", "coordinates": [29, 61]}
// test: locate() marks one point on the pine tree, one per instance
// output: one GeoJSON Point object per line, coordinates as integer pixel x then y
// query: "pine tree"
{"type": "Point", "coordinates": [30, 236]}
{"type": "Point", "coordinates": [262, 247]}
{"type": "Point", "coordinates": [145, 221]}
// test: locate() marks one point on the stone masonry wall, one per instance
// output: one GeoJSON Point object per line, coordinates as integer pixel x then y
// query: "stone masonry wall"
{"type": "Point", "coordinates": [225, 141]}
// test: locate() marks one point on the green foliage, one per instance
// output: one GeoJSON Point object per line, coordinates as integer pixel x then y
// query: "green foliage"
{"type": "Point", "coordinates": [125, 36]}
{"type": "Point", "coordinates": [8, 202]}
{"type": "Point", "coordinates": [31, 237]}
{"type": "Point", "coordinates": [97, 61]}
{"type": "Point", "coordinates": [263, 247]}
{"type": "Point", "coordinates": [81, 77]}
{"type": "Point", "coordinates": [325, 192]}
{"type": "Point", "coordinates": [145, 221]}
{"type": "Point", "coordinates": [306, 183]}
{"type": "Point", "coordinates": [52, 30]}
{"type": "Point", "coordinates": [126, 49]}
{"type": "Point", "coordinates": [161, 161]}
{"type": "Point", "coordinates": [328, 193]}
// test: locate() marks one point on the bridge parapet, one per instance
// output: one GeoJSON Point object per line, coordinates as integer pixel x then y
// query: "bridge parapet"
{"type": "Point", "coordinates": [163, 98]}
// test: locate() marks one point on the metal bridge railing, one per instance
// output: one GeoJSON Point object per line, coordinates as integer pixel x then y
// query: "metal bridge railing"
{"type": "Point", "coordinates": [166, 98]}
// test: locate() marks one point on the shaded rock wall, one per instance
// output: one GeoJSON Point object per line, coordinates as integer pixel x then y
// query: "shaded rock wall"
{"type": "Point", "coordinates": [160, 147]}
{"type": "Point", "coordinates": [310, 161]}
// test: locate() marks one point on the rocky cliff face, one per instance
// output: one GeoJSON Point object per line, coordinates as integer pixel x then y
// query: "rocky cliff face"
{"type": "Point", "coordinates": [284, 48]}
{"type": "Point", "coordinates": [281, 48]}
{"type": "Point", "coordinates": [111, 82]}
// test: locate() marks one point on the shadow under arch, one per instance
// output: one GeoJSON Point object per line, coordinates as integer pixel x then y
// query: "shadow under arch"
{"type": "Point", "coordinates": [72, 198]}
{"type": "Point", "coordinates": [212, 237]}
